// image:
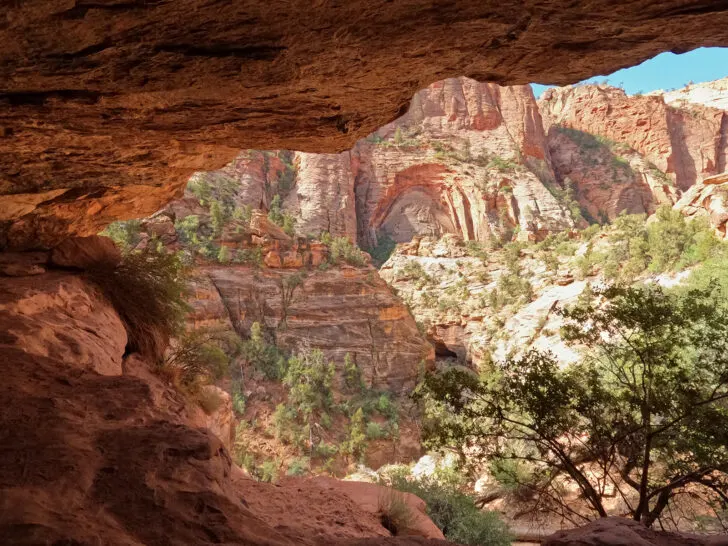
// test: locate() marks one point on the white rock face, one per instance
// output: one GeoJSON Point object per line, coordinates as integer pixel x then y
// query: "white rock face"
{"type": "Point", "coordinates": [713, 94]}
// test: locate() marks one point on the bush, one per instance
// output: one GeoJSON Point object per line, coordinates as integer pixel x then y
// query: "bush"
{"type": "Point", "coordinates": [147, 290]}
{"type": "Point", "coordinates": [209, 400]}
{"type": "Point", "coordinates": [353, 380]}
{"type": "Point", "coordinates": [124, 234]}
{"type": "Point", "coordinates": [203, 355]}
{"type": "Point", "coordinates": [341, 250]}
{"type": "Point", "coordinates": [375, 431]}
{"type": "Point", "coordinates": [454, 512]}
{"type": "Point", "coordinates": [299, 467]}
{"type": "Point", "coordinates": [268, 471]}
{"type": "Point", "coordinates": [263, 356]}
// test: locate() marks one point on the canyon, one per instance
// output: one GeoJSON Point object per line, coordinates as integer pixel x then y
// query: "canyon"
{"type": "Point", "coordinates": [108, 109]}
{"type": "Point", "coordinates": [444, 189]}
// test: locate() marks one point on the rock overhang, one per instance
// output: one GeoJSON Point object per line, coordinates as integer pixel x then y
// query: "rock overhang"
{"type": "Point", "coordinates": [106, 108]}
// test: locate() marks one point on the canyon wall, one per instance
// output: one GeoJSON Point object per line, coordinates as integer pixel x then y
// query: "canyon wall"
{"type": "Point", "coordinates": [687, 143]}
{"type": "Point", "coordinates": [343, 310]}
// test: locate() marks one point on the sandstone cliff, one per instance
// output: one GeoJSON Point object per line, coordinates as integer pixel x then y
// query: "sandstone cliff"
{"type": "Point", "coordinates": [687, 143]}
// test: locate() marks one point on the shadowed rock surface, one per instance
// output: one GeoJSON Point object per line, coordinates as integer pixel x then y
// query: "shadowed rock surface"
{"type": "Point", "coordinates": [106, 108]}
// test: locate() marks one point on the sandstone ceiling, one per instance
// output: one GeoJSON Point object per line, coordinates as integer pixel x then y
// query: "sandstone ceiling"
{"type": "Point", "coordinates": [107, 106]}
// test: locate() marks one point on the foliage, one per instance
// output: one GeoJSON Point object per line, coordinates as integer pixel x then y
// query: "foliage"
{"type": "Point", "coordinates": [353, 380]}
{"type": "Point", "coordinates": [394, 512]}
{"type": "Point", "coordinates": [263, 356]}
{"type": "Point", "coordinates": [147, 290]}
{"type": "Point", "coordinates": [209, 400]}
{"type": "Point", "coordinates": [646, 404]}
{"type": "Point", "coordinates": [341, 250]}
{"type": "Point", "coordinates": [299, 467]}
{"type": "Point", "coordinates": [668, 242]}
{"type": "Point", "coordinates": [502, 164]}
{"type": "Point", "coordinates": [309, 380]}
{"type": "Point", "coordinates": [454, 512]}
{"type": "Point", "coordinates": [414, 271]}
{"type": "Point", "coordinates": [203, 355]}
{"type": "Point", "coordinates": [251, 256]}
{"type": "Point", "coordinates": [357, 441]}
{"type": "Point", "coordinates": [125, 234]}
{"type": "Point", "coordinates": [281, 218]}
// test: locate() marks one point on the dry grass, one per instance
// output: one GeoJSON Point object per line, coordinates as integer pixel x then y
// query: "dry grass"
{"type": "Point", "coordinates": [394, 512]}
{"type": "Point", "coordinates": [209, 400]}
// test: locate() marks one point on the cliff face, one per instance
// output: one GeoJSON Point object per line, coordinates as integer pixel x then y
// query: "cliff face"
{"type": "Point", "coordinates": [687, 143]}
{"type": "Point", "coordinates": [343, 310]}
{"type": "Point", "coordinates": [468, 159]}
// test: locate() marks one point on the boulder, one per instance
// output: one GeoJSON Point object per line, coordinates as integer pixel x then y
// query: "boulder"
{"type": "Point", "coordinates": [86, 253]}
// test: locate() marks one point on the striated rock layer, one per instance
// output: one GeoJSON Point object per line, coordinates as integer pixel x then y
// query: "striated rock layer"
{"type": "Point", "coordinates": [687, 143]}
{"type": "Point", "coordinates": [107, 108]}
{"type": "Point", "coordinates": [341, 310]}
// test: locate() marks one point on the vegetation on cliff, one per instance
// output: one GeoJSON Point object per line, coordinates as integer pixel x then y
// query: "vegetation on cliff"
{"type": "Point", "coordinates": [644, 412]}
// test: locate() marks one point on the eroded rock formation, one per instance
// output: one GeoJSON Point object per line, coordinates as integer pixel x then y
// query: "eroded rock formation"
{"type": "Point", "coordinates": [107, 108]}
{"type": "Point", "coordinates": [98, 449]}
{"type": "Point", "coordinates": [343, 310]}
{"type": "Point", "coordinates": [687, 143]}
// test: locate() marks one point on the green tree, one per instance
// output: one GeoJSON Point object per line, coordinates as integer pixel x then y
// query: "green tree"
{"type": "Point", "coordinates": [357, 442]}
{"type": "Point", "coordinates": [223, 256]}
{"type": "Point", "coordinates": [263, 356]}
{"type": "Point", "coordinates": [646, 409]}
{"type": "Point", "coordinates": [275, 213]}
{"type": "Point", "coordinates": [353, 380]}
{"type": "Point", "coordinates": [217, 218]}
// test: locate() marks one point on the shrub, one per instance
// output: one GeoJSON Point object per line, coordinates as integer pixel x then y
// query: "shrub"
{"type": "Point", "coordinates": [375, 431]}
{"type": "Point", "coordinates": [124, 234]}
{"type": "Point", "coordinates": [299, 467]}
{"type": "Point", "coordinates": [187, 229]}
{"type": "Point", "coordinates": [147, 290]}
{"type": "Point", "coordinates": [209, 400]}
{"type": "Point", "coordinates": [268, 471]}
{"type": "Point", "coordinates": [203, 354]}
{"type": "Point", "coordinates": [341, 250]}
{"type": "Point", "coordinates": [356, 443]}
{"type": "Point", "coordinates": [263, 356]}
{"type": "Point", "coordinates": [452, 511]}
{"type": "Point", "coordinates": [353, 380]}
{"type": "Point", "coordinates": [394, 512]}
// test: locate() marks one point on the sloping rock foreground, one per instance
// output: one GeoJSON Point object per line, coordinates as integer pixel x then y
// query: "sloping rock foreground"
{"type": "Point", "coordinates": [625, 532]}
{"type": "Point", "coordinates": [106, 108]}
{"type": "Point", "coordinates": [94, 448]}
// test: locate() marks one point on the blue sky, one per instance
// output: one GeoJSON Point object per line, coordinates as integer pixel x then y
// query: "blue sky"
{"type": "Point", "coordinates": [666, 71]}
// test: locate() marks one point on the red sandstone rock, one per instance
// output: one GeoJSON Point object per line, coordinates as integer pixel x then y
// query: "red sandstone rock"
{"type": "Point", "coordinates": [106, 110]}
{"type": "Point", "coordinates": [58, 315]}
{"type": "Point", "coordinates": [261, 226]}
{"type": "Point", "coordinates": [86, 253]}
{"type": "Point", "coordinates": [687, 143]}
{"type": "Point", "coordinates": [341, 310]}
